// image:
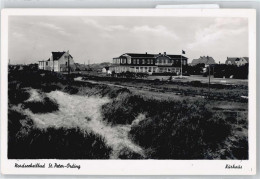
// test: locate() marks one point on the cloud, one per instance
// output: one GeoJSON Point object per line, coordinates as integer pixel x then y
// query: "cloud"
{"type": "Point", "coordinates": [221, 29]}
{"type": "Point", "coordinates": [54, 27]}
{"type": "Point", "coordinates": [158, 30]}
{"type": "Point", "coordinates": [17, 35]}
{"type": "Point", "coordinates": [99, 26]}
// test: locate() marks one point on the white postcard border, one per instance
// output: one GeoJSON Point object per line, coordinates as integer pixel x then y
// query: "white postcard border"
{"type": "Point", "coordinates": [133, 167]}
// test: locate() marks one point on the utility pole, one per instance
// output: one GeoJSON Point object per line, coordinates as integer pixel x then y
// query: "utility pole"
{"type": "Point", "coordinates": [181, 64]}
{"type": "Point", "coordinates": [68, 63]}
{"type": "Point", "coordinates": [209, 77]}
{"type": "Point", "coordinates": [52, 64]}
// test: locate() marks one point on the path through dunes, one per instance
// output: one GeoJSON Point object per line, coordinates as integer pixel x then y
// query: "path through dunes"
{"type": "Point", "coordinates": [84, 112]}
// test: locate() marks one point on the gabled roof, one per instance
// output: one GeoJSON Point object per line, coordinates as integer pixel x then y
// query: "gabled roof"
{"type": "Point", "coordinates": [203, 59]}
{"type": "Point", "coordinates": [58, 55]}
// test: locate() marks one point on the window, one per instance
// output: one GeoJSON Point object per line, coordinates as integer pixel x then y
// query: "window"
{"type": "Point", "coordinates": [148, 61]}
{"type": "Point", "coordinates": [137, 61]}
{"type": "Point", "coordinates": [143, 61]}
{"type": "Point", "coordinates": [134, 61]}
{"type": "Point", "coordinates": [160, 61]}
{"type": "Point", "coordinates": [150, 69]}
{"type": "Point", "coordinates": [151, 61]}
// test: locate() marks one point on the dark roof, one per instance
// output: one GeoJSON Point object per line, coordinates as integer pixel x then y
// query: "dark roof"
{"type": "Point", "coordinates": [246, 58]}
{"type": "Point", "coordinates": [177, 56]}
{"type": "Point", "coordinates": [147, 55]}
{"type": "Point", "coordinates": [139, 54]}
{"type": "Point", "coordinates": [203, 59]}
{"type": "Point", "coordinates": [57, 55]}
{"type": "Point", "coordinates": [233, 59]}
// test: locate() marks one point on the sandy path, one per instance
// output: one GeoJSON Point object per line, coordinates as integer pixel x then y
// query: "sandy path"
{"type": "Point", "coordinates": [84, 112]}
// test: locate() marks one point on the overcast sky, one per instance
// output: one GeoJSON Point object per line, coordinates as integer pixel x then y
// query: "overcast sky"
{"type": "Point", "coordinates": [99, 39]}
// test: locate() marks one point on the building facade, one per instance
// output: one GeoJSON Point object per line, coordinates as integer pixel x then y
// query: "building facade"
{"type": "Point", "coordinates": [148, 63]}
{"type": "Point", "coordinates": [58, 62]}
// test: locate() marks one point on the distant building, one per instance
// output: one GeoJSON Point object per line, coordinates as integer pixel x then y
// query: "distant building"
{"type": "Point", "coordinates": [238, 61]}
{"type": "Point", "coordinates": [148, 63]}
{"type": "Point", "coordinates": [207, 60]}
{"type": "Point", "coordinates": [58, 62]}
{"type": "Point", "coordinates": [105, 69]}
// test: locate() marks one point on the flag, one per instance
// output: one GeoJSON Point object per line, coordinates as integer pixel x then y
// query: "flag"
{"type": "Point", "coordinates": [183, 52]}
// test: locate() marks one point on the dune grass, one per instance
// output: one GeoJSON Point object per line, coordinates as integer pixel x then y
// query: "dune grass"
{"type": "Point", "coordinates": [25, 141]}
{"type": "Point", "coordinates": [171, 129]}
{"type": "Point", "coordinates": [175, 129]}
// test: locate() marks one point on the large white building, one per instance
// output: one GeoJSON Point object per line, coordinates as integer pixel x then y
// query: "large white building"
{"type": "Point", "coordinates": [58, 62]}
{"type": "Point", "coordinates": [148, 63]}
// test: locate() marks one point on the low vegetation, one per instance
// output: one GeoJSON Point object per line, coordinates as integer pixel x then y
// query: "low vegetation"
{"type": "Point", "coordinates": [44, 106]}
{"type": "Point", "coordinates": [25, 141]}
{"type": "Point", "coordinates": [169, 128]}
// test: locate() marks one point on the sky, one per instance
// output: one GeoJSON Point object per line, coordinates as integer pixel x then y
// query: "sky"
{"type": "Point", "coordinates": [100, 39]}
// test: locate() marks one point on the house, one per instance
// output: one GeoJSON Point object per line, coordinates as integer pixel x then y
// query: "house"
{"type": "Point", "coordinates": [105, 69]}
{"type": "Point", "coordinates": [58, 62]}
{"type": "Point", "coordinates": [207, 60]}
{"type": "Point", "coordinates": [148, 63]}
{"type": "Point", "coordinates": [238, 61]}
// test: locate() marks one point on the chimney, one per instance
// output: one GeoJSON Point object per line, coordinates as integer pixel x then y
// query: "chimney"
{"type": "Point", "coordinates": [164, 53]}
{"type": "Point", "coordinates": [146, 53]}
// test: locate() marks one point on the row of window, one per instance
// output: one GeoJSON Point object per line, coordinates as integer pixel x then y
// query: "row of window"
{"type": "Point", "coordinates": [148, 61]}
{"type": "Point", "coordinates": [148, 69]}
{"type": "Point", "coordinates": [143, 61]}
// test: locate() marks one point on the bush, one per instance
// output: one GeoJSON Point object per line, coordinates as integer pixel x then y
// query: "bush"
{"type": "Point", "coordinates": [16, 96]}
{"type": "Point", "coordinates": [187, 134]}
{"type": "Point", "coordinates": [45, 106]}
{"type": "Point", "coordinates": [172, 129]}
{"type": "Point", "coordinates": [59, 143]}
{"type": "Point", "coordinates": [27, 142]}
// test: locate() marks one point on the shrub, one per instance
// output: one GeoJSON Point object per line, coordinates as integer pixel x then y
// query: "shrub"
{"type": "Point", "coordinates": [187, 134]}
{"type": "Point", "coordinates": [27, 142]}
{"type": "Point", "coordinates": [44, 106]}
{"type": "Point", "coordinates": [59, 143]}
{"type": "Point", "coordinates": [16, 96]}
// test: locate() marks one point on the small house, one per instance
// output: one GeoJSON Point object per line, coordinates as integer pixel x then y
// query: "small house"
{"type": "Point", "coordinates": [58, 62]}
